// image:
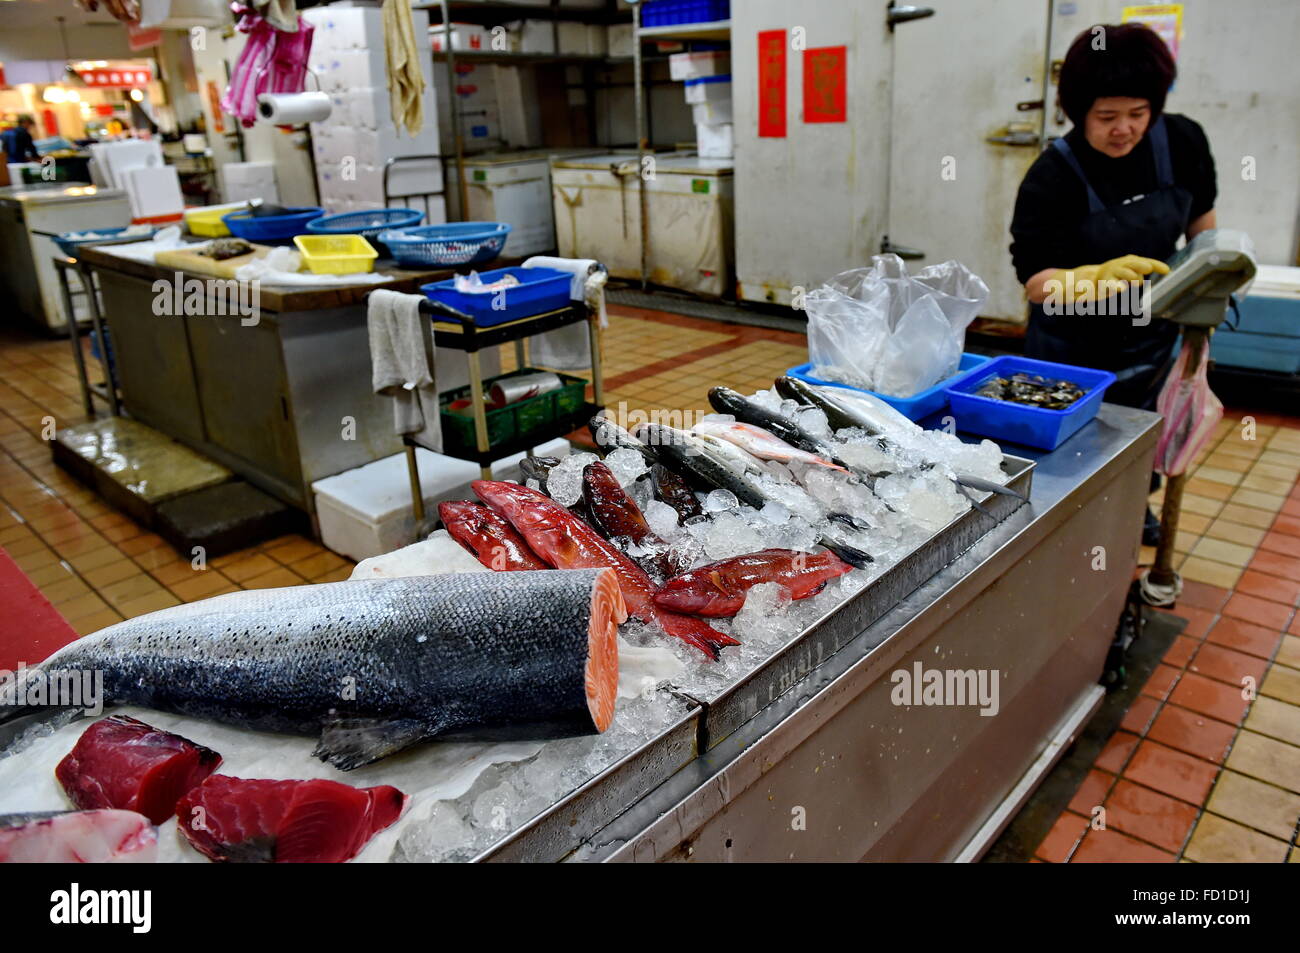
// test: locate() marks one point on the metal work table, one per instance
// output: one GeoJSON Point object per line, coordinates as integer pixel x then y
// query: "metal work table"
{"type": "Point", "coordinates": [284, 401]}
{"type": "Point", "coordinates": [833, 770]}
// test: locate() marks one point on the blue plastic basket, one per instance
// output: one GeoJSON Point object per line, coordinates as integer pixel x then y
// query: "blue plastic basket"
{"type": "Point", "coordinates": [915, 407]}
{"type": "Point", "coordinates": [1020, 423]}
{"type": "Point", "coordinates": [668, 12]}
{"type": "Point", "coordinates": [456, 243]}
{"type": "Point", "coordinates": [366, 224]}
{"type": "Point", "coordinates": [272, 228]}
{"type": "Point", "coordinates": [539, 290]}
{"type": "Point", "coordinates": [69, 245]}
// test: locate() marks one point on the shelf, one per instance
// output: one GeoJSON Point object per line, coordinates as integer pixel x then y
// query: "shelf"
{"type": "Point", "coordinates": [492, 13]}
{"type": "Point", "coordinates": [716, 30]}
{"type": "Point", "coordinates": [558, 428]}
{"type": "Point", "coordinates": [525, 59]}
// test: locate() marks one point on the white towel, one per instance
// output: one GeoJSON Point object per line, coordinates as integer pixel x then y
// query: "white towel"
{"type": "Point", "coordinates": [399, 367]}
{"type": "Point", "coordinates": [568, 349]}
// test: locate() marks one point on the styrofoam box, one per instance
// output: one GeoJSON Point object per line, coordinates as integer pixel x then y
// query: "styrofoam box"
{"type": "Point", "coordinates": [715, 142]}
{"type": "Point", "coordinates": [619, 37]}
{"type": "Point", "coordinates": [713, 113]}
{"type": "Point", "coordinates": [573, 37]}
{"type": "Point", "coordinates": [703, 91]}
{"type": "Point", "coordinates": [597, 39]}
{"type": "Point", "coordinates": [535, 36]}
{"type": "Point", "coordinates": [377, 146]}
{"type": "Point", "coordinates": [694, 65]}
{"type": "Point", "coordinates": [464, 36]}
{"type": "Point", "coordinates": [417, 177]}
{"type": "Point", "coordinates": [367, 511]}
{"type": "Point", "coordinates": [345, 28]}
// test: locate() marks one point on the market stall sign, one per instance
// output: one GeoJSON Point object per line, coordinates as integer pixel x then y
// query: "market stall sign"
{"type": "Point", "coordinates": [142, 39]}
{"type": "Point", "coordinates": [109, 77]}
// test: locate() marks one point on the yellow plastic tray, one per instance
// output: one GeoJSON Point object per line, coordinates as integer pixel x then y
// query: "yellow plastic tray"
{"type": "Point", "coordinates": [207, 222]}
{"type": "Point", "coordinates": [336, 254]}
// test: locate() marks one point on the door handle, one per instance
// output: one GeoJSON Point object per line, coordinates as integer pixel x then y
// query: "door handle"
{"type": "Point", "coordinates": [1016, 137]}
{"type": "Point", "coordinates": [902, 251]}
{"type": "Point", "coordinates": [895, 14]}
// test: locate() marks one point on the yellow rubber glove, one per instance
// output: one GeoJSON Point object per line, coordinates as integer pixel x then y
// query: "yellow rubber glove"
{"type": "Point", "coordinates": [1091, 282]}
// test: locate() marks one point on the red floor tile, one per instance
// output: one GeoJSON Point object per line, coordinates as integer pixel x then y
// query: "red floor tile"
{"type": "Point", "coordinates": [1150, 815]}
{"type": "Point", "coordinates": [1172, 772]}
{"type": "Point", "coordinates": [1161, 682]}
{"type": "Point", "coordinates": [1112, 847]}
{"type": "Point", "coordinates": [1264, 586]}
{"type": "Point", "coordinates": [1202, 595]}
{"type": "Point", "coordinates": [1210, 697]}
{"type": "Point", "coordinates": [1091, 793]}
{"type": "Point", "coordinates": [1060, 840]}
{"type": "Point", "coordinates": [1198, 620]}
{"type": "Point", "coordinates": [1117, 751]}
{"type": "Point", "coordinates": [1279, 543]}
{"type": "Point", "coordinates": [1244, 637]}
{"type": "Point", "coordinates": [1139, 714]}
{"type": "Point", "coordinates": [1271, 615]}
{"type": "Point", "coordinates": [1227, 665]}
{"type": "Point", "coordinates": [1287, 524]}
{"type": "Point", "coordinates": [1192, 732]}
{"type": "Point", "coordinates": [1284, 564]}
{"type": "Point", "coordinates": [1181, 651]}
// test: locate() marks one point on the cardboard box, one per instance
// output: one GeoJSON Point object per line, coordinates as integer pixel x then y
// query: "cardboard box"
{"type": "Point", "coordinates": [464, 36]}
{"type": "Point", "coordinates": [709, 89]}
{"type": "Point", "coordinates": [536, 36]}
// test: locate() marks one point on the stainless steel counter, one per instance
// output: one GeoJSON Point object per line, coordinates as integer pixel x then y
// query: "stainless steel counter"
{"type": "Point", "coordinates": [835, 770]}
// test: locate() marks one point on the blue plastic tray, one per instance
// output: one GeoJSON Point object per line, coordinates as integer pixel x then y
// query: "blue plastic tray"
{"type": "Point", "coordinates": [366, 224]}
{"type": "Point", "coordinates": [539, 290]}
{"type": "Point", "coordinates": [272, 228]}
{"type": "Point", "coordinates": [456, 243]}
{"type": "Point", "coordinates": [69, 246]}
{"type": "Point", "coordinates": [915, 407]}
{"type": "Point", "coordinates": [1020, 423]}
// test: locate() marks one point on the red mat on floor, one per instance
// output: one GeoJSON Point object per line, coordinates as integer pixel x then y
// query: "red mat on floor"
{"type": "Point", "coordinates": [30, 628]}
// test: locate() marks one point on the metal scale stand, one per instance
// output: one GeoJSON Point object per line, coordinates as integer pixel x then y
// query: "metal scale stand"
{"type": "Point", "coordinates": [1196, 294]}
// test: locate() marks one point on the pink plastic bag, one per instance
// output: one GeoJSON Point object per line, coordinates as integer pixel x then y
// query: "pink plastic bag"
{"type": "Point", "coordinates": [271, 62]}
{"type": "Point", "coordinates": [1190, 410]}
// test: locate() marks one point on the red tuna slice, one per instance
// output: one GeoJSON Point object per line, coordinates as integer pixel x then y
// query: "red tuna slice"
{"type": "Point", "coordinates": [123, 763]}
{"type": "Point", "coordinates": [249, 820]}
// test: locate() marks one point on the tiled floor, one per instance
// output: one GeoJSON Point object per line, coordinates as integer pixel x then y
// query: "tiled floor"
{"type": "Point", "coordinates": [1196, 773]}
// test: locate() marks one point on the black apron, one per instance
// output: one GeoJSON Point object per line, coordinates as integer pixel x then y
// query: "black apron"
{"type": "Point", "coordinates": [1140, 357]}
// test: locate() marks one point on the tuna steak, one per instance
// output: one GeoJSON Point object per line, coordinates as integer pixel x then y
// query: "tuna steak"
{"type": "Point", "coordinates": [487, 535]}
{"type": "Point", "coordinates": [373, 666]}
{"type": "Point", "coordinates": [285, 822]}
{"type": "Point", "coordinates": [567, 542]}
{"type": "Point", "coordinates": [123, 763]}
{"type": "Point", "coordinates": [719, 589]}
{"type": "Point", "coordinates": [77, 837]}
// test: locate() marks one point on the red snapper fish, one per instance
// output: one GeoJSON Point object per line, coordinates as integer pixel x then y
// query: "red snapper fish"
{"type": "Point", "coordinates": [719, 589]}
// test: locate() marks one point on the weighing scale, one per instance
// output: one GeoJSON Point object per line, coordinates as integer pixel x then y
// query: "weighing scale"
{"type": "Point", "coordinates": [1203, 276]}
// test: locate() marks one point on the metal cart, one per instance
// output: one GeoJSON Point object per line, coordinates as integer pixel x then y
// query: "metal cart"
{"type": "Point", "coordinates": [106, 391]}
{"type": "Point", "coordinates": [451, 329]}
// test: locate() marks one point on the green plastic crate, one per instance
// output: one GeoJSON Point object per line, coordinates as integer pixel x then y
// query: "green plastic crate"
{"type": "Point", "coordinates": [513, 421]}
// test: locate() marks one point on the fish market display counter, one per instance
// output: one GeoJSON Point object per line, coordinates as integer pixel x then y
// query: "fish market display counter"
{"type": "Point", "coordinates": [282, 398]}
{"type": "Point", "coordinates": [846, 756]}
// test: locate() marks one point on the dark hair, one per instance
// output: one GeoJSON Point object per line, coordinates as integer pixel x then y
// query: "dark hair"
{"type": "Point", "coordinates": [1115, 60]}
{"type": "Point", "coordinates": [25, 119]}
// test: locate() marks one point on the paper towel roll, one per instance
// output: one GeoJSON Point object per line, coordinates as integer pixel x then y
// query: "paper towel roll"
{"type": "Point", "coordinates": [292, 109]}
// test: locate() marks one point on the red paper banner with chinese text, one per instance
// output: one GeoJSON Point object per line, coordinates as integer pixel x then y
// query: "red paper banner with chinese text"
{"type": "Point", "coordinates": [117, 77]}
{"type": "Point", "coordinates": [771, 84]}
{"type": "Point", "coordinates": [825, 97]}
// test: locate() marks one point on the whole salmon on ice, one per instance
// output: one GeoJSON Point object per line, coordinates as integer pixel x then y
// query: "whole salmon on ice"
{"type": "Point", "coordinates": [565, 541]}
{"type": "Point", "coordinates": [373, 666]}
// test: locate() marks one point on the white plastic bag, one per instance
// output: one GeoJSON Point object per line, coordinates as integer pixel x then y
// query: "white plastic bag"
{"type": "Point", "coordinates": [884, 330]}
{"type": "Point", "coordinates": [1190, 409]}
